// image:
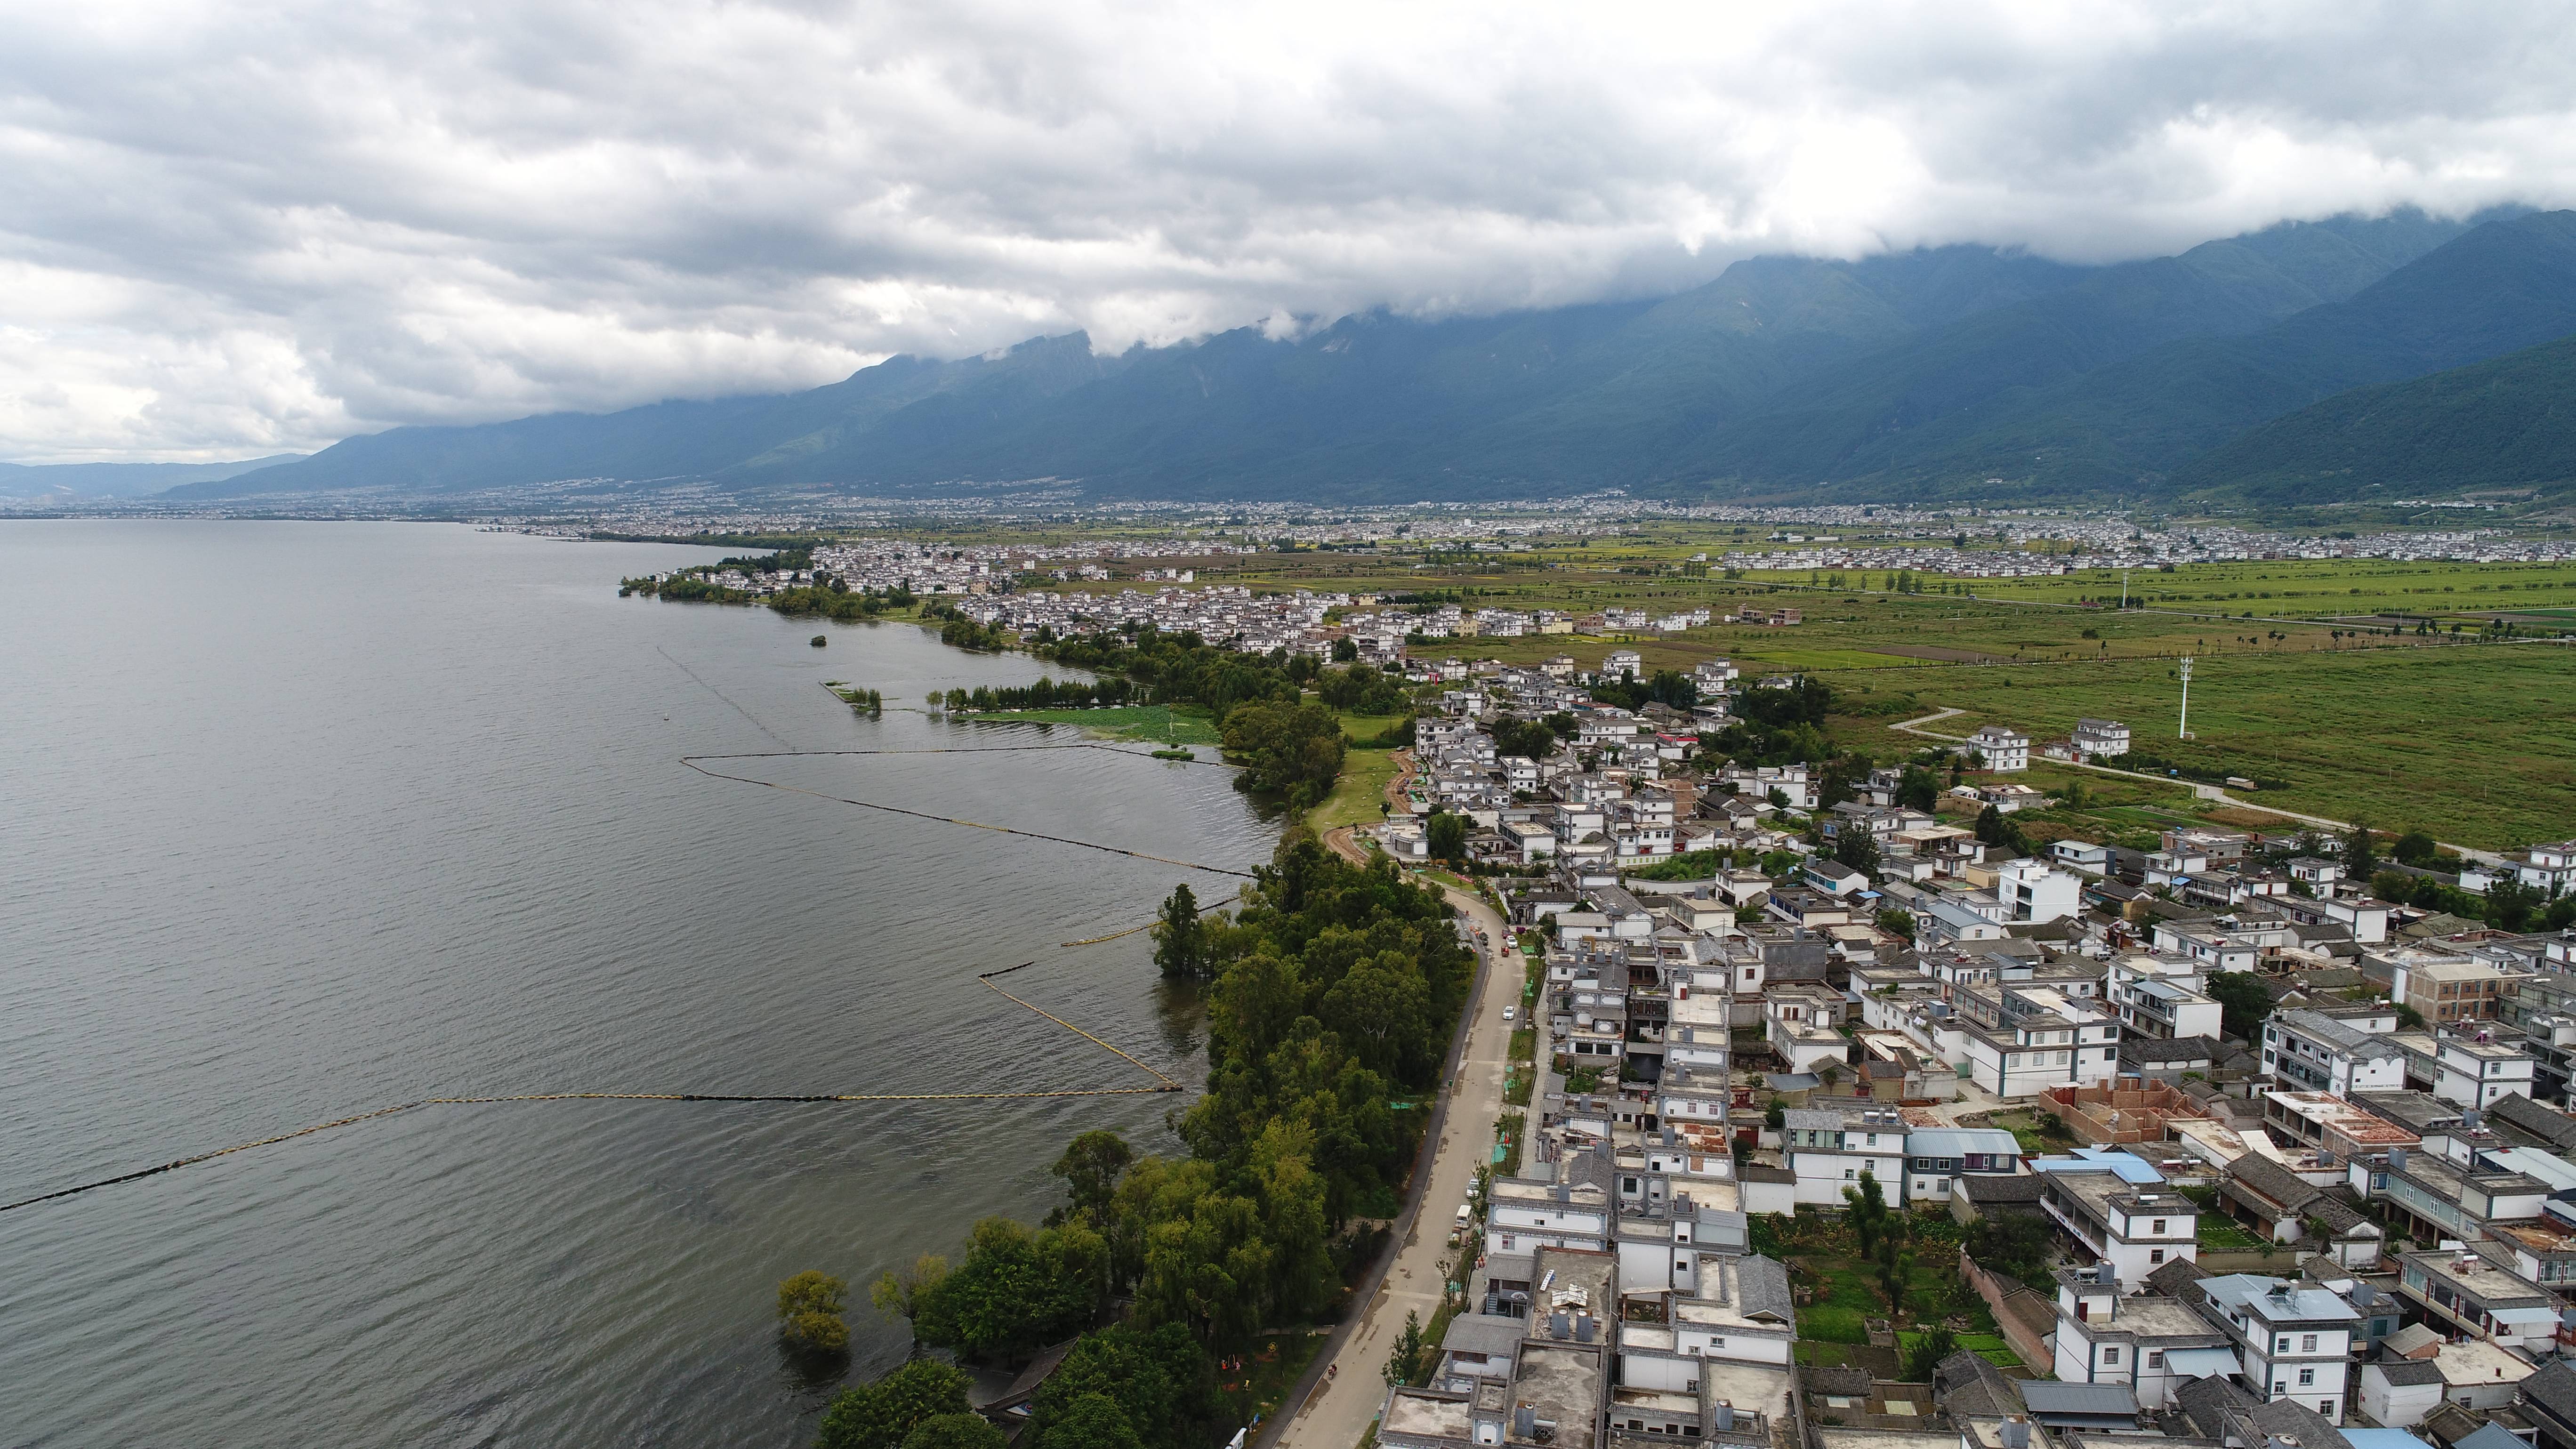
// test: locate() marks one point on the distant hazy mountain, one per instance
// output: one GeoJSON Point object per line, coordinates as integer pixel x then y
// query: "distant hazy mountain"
{"type": "Point", "coordinates": [118, 480]}
{"type": "Point", "coordinates": [1919, 374]}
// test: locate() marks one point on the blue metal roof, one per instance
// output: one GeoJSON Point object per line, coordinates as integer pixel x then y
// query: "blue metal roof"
{"type": "Point", "coordinates": [2128, 1166]}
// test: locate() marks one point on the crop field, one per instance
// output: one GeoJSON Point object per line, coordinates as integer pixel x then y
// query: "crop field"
{"type": "Point", "coordinates": [2476, 744]}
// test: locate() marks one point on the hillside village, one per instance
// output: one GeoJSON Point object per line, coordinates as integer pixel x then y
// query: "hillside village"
{"type": "Point", "coordinates": [2257, 1160]}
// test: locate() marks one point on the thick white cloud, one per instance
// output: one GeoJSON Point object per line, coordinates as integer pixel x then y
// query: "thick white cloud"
{"type": "Point", "coordinates": [232, 230]}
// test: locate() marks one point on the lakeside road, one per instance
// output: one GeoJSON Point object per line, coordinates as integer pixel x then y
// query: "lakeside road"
{"type": "Point", "coordinates": [1342, 1408]}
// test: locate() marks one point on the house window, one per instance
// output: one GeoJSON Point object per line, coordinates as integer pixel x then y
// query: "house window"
{"type": "Point", "coordinates": [2307, 1378]}
{"type": "Point", "coordinates": [2110, 1356]}
{"type": "Point", "coordinates": [2307, 1343]}
{"type": "Point", "coordinates": [2158, 1227]}
{"type": "Point", "coordinates": [2155, 1255]}
{"type": "Point", "coordinates": [2283, 1346]}
{"type": "Point", "coordinates": [1849, 1174]}
{"type": "Point", "coordinates": [2326, 1407]}
{"type": "Point", "coordinates": [2155, 1358]}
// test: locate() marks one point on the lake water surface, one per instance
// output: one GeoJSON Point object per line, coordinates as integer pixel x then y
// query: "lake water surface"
{"type": "Point", "coordinates": [303, 819]}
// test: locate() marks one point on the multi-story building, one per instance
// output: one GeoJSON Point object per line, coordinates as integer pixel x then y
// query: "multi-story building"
{"type": "Point", "coordinates": [2131, 1227]}
{"type": "Point", "coordinates": [2312, 1051]}
{"type": "Point", "coordinates": [2150, 1342]}
{"type": "Point", "coordinates": [1936, 1155]}
{"type": "Point", "coordinates": [2293, 1339]}
{"type": "Point", "coordinates": [2463, 1292]}
{"type": "Point", "coordinates": [2019, 1041]}
{"type": "Point", "coordinates": [1830, 1145]}
{"type": "Point", "coordinates": [2101, 737]}
{"type": "Point", "coordinates": [2474, 1070]}
{"type": "Point", "coordinates": [2033, 892]}
{"type": "Point", "coordinates": [2004, 749]}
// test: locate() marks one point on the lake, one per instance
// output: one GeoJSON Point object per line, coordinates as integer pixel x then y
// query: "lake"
{"type": "Point", "coordinates": [306, 819]}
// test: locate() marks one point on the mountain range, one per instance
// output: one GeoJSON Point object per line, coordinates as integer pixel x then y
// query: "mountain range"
{"type": "Point", "coordinates": [119, 480]}
{"type": "Point", "coordinates": [2283, 360]}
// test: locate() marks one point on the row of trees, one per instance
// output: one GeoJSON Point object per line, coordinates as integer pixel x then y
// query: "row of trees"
{"type": "Point", "coordinates": [1045, 694]}
{"type": "Point", "coordinates": [1334, 990]}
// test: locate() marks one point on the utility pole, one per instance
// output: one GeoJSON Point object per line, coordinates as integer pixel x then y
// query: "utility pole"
{"type": "Point", "coordinates": [2124, 588]}
{"type": "Point", "coordinates": [2182, 726]}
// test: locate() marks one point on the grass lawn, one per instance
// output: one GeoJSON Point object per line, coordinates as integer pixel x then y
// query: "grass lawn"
{"type": "Point", "coordinates": [1189, 724]}
{"type": "Point", "coordinates": [2474, 743]}
{"type": "Point", "coordinates": [1991, 1348]}
{"type": "Point", "coordinates": [1358, 793]}
{"type": "Point", "coordinates": [2219, 1235]}
{"type": "Point", "coordinates": [1357, 727]}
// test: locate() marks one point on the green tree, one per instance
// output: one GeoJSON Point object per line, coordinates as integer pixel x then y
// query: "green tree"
{"type": "Point", "coordinates": [1406, 1359]}
{"type": "Point", "coordinates": [1094, 1421]}
{"type": "Point", "coordinates": [900, 1295]}
{"type": "Point", "coordinates": [1091, 1167]}
{"type": "Point", "coordinates": [1918, 789]}
{"type": "Point", "coordinates": [955, 1431]}
{"type": "Point", "coordinates": [1897, 923]}
{"type": "Point", "coordinates": [1858, 849]}
{"type": "Point", "coordinates": [2360, 854]}
{"type": "Point", "coordinates": [1865, 1208]}
{"type": "Point", "coordinates": [2242, 1002]}
{"type": "Point", "coordinates": [1529, 738]}
{"type": "Point", "coordinates": [882, 1414]}
{"type": "Point", "coordinates": [1180, 937]}
{"type": "Point", "coordinates": [1925, 1350]}
{"type": "Point", "coordinates": [809, 1313]}
{"type": "Point", "coordinates": [2511, 904]}
{"type": "Point", "coordinates": [1448, 836]}
{"type": "Point", "coordinates": [1159, 1379]}
{"type": "Point", "coordinates": [1295, 749]}
{"type": "Point", "coordinates": [1017, 1291]}
{"type": "Point", "coordinates": [2415, 848]}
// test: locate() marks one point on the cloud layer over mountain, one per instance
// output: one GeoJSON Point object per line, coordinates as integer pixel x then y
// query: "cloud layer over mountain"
{"type": "Point", "coordinates": [227, 230]}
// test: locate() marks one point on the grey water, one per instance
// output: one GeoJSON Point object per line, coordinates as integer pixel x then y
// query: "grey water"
{"type": "Point", "coordinates": [303, 819]}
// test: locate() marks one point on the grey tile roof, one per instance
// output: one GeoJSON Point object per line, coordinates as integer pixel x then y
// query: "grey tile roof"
{"type": "Point", "coordinates": [2409, 1371]}
{"type": "Point", "coordinates": [1762, 1286]}
{"type": "Point", "coordinates": [2553, 1390]}
{"type": "Point", "coordinates": [2548, 1124]}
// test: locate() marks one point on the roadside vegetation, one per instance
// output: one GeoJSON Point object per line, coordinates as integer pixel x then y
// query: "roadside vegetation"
{"type": "Point", "coordinates": [1333, 991]}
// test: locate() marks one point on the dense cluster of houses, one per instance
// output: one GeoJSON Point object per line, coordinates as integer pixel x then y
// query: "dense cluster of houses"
{"type": "Point", "coordinates": [2354, 1230]}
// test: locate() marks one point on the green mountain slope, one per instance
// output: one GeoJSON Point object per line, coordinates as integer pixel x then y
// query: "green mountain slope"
{"type": "Point", "coordinates": [2506, 285]}
{"type": "Point", "coordinates": [2506, 422]}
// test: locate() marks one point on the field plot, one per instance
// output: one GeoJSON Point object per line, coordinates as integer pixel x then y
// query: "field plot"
{"type": "Point", "coordinates": [2476, 744]}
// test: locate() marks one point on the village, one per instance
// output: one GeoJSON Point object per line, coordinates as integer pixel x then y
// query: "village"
{"type": "Point", "coordinates": [1845, 1123]}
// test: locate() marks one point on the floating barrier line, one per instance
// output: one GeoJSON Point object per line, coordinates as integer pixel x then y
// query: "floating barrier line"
{"type": "Point", "coordinates": [1112, 936]}
{"type": "Point", "coordinates": [1163, 1082]}
{"type": "Point", "coordinates": [692, 762]}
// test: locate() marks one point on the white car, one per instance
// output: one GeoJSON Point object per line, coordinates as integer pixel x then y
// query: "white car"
{"type": "Point", "coordinates": [1507, 1013]}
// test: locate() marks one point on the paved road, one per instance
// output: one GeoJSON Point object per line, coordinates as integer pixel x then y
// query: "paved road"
{"type": "Point", "coordinates": [1342, 1407]}
{"type": "Point", "coordinates": [2205, 792]}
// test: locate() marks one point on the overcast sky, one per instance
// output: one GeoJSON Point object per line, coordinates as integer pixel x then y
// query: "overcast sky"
{"type": "Point", "coordinates": [228, 231]}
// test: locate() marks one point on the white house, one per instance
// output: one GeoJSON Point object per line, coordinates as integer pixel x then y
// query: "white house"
{"type": "Point", "coordinates": [2475, 1073]}
{"type": "Point", "coordinates": [2033, 892]}
{"type": "Point", "coordinates": [2293, 1339]}
{"type": "Point", "coordinates": [2132, 1228]}
{"type": "Point", "coordinates": [1830, 1147]}
{"type": "Point", "coordinates": [2005, 749]}
{"type": "Point", "coordinates": [2101, 737]}
{"type": "Point", "coordinates": [2310, 1051]}
{"type": "Point", "coordinates": [2153, 1344]}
